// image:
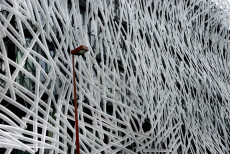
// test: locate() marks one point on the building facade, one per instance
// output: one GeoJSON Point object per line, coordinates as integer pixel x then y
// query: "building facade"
{"type": "Point", "coordinates": [156, 78]}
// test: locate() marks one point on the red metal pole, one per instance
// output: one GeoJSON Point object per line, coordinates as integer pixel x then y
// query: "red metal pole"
{"type": "Point", "coordinates": [75, 104]}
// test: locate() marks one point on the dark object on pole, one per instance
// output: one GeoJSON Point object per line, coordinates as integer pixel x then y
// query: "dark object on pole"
{"type": "Point", "coordinates": [80, 50]}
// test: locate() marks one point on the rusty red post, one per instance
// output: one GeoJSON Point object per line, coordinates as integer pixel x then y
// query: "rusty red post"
{"type": "Point", "coordinates": [78, 51]}
{"type": "Point", "coordinates": [75, 104]}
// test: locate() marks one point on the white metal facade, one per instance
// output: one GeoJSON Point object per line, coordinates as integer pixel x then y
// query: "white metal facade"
{"type": "Point", "coordinates": [156, 78]}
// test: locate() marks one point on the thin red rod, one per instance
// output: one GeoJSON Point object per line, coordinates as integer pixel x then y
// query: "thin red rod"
{"type": "Point", "coordinates": [75, 104]}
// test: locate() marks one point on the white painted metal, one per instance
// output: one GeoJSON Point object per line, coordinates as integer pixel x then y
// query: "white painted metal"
{"type": "Point", "coordinates": [156, 78]}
